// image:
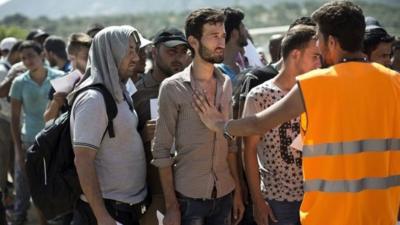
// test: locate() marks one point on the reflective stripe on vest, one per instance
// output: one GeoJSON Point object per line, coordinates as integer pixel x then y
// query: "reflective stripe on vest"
{"type": "Point", "coordinates": [380, 183]}
{"type": "Point", "coordinates": [332, 149]}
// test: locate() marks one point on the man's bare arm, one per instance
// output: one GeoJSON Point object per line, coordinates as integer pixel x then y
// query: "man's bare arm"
{"type": "Point", "coordinates": [173, 214]}
{"type": "Point", "coordinates": [289, 107]}
{"type": "Point", "coordinates": [5, 86]}
{"type": "Point", "coordinates": [261, 210]}
{"type": "Point", "coordinates": [84, 162]}
{"type": "Point", "coordinates": [16, 107]}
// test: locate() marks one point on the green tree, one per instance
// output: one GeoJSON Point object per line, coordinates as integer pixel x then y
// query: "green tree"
{"type": "Point", "coordinates": [12, 31]}
{"type": "Point", "coordinates": [16, 20]}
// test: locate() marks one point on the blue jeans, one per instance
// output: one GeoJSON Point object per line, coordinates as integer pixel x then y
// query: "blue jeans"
{"type": "Point", "coordinates": [287, 213]}
{"type": "Point", "coordinates": [206, 212]}
{"type": "Point", "coordinates": [22, 194]}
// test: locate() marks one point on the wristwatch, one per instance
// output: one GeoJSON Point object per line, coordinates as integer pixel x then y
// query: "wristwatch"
{"type": "Point", "coordinates": [227, 135]}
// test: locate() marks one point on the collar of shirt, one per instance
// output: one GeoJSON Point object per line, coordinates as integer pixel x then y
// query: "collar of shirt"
{"type": "Point", "coordinates": [222, 82]}
{"type": "Point", "coordinates": [149, 81]}
{"type": "Point", "coordinates": [187, 75]}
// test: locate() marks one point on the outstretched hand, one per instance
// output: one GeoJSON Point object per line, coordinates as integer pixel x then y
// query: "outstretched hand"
{"type": "Point", "coordinates": [208, 113]}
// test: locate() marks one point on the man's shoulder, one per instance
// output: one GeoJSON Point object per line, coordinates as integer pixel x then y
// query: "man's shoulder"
{"type": "Point", "coordinates": [317, 73]}
{"type": "Point", "coordinates": [54, 73]}
{"type": "Point", "coordinates": [384, 70]}
{"type": "Point", "coordinates": [147, 82]}
{"type": "Point", "coordinates": [22, 77]}
{"type": "Point", "coordinates": [140, 83]}
{"type": "Point", "coordinates": [268, 70]}
{"type": "Point", "coordinates": [257, 76]}
{"type": "Point", "coordinates": [89, 96]}
{"type": "Point", "coordinates": [175, 79]}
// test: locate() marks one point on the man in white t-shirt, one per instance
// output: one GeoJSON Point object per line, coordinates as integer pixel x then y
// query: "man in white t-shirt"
{"type": "Point", "coordinates": [268, 158]}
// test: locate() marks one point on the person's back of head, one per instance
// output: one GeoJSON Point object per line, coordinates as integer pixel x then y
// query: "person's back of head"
{"type": "Point", "coordinates": [304, 20]}
{"type": "Point", "coordinates": [94, 29]}
{"type": "Point", "coordinates": [275, 47]}
{"type": "Point", "coordinates": [57, 46]}
{"type": "Point", "coordinates": [77, 41]}
{"type": "Point", "coordinates": [78, 48]}
{"type": "Point", "coordinates": [344, 21]}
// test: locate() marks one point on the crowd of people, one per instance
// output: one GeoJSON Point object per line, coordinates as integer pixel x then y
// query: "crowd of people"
{"type": "Point", "coordinates": [318, 141]}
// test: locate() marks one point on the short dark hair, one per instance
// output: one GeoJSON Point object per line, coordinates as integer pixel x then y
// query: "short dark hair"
{"type": "Point", "coordinates": [77, 41]}
{"type": "Point", "coordinates": [233, 19]}
{"type": "Point", "coordinates": [304, 20]}
{"type": "Point", "coordinates": [343, 20]}
{"type": "Point", "coordinates": [94, 29]}
{"type": "Point", "coordinates": [297, 37]}
{"type": "Point", "coordinates": [196, 19]}
{"type": "Point", "coordinates": [56, 45]}
{"type": "Point", "coordinates": [31, 44]}
{"type": "Point", "coordinates": [373, 38]}
{"type": "Point", "coordinates": [15, 47]}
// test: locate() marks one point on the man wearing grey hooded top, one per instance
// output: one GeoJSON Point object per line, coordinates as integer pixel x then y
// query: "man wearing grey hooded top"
{"type": "Point", "coordinates": [112, 171]}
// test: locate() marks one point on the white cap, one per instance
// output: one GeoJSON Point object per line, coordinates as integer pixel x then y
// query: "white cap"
{"type": "Point", "coordinates": [143, 41]}
{"type": "Point", "coordinates": [7, 43]}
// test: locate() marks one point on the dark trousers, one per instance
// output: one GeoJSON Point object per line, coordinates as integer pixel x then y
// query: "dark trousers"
{"type": "Point", "coordinates": [2, 211]}
{"type": "Point", "coordinates": [121, 212]}
{"type": "Point", "coordinates": [206, 212]}
{"type": "Point", "coordinates": [287, 213]}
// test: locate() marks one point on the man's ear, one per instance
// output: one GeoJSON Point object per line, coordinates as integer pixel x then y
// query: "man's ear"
{"type": "Point", "coordinates": [234, 34]}
{"type": "Point", "coordinates": [333, 43]}
{"type": "Point", "coordinates": [43, 55]}
{"type": "Point", "coordinates": [154, 52]}
{"type": "Point", "coordinates": [193, 42]}
{"type": "Point", "coordinates": [295, 54]}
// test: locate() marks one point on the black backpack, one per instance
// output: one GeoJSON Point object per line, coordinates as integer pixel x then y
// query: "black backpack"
{"type": "Point", "coordinates": [250, 80]}
{"type": "Point", "coordinates": [52, 176]}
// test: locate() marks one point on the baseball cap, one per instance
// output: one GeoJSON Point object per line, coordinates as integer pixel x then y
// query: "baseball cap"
{"type": "Point", "coordinates": [170, 37]}
{"type": "Point", "coordinates": [7, 43]}
{"type": "Point", "coordinates": [372, 23]}
{"type": "Point", "coordinates": [40, 33]}
{"type": "Point", "coordinates": [375, 31]}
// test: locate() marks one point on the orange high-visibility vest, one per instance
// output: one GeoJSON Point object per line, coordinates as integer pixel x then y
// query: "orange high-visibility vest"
{"type": "Point", "coordinates": [351, 154]}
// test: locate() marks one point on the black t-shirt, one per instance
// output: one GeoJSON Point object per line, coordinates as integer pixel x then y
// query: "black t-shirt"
{"type": "Point", "coordinates": [258, 76]}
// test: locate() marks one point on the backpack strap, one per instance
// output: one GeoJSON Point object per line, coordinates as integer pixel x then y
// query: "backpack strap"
{"type": "Point", "coordinates": [6, 65]}
{"type": "Point", "coordinates": [111, 106]}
